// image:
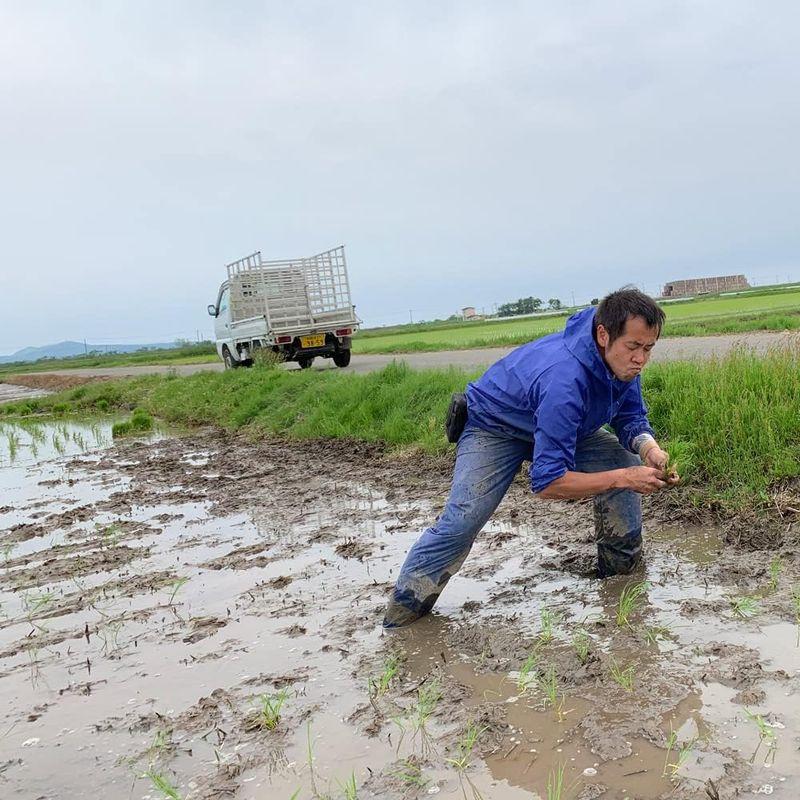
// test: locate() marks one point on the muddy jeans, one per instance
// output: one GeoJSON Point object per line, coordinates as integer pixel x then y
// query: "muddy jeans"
{"type": "Point", "coordinates": [486, 463]}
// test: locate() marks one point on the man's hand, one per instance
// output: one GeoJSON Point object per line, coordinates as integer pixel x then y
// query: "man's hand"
{"type": "Point", "coordinates": [655, 457]}
{"type": "Point", "coordinates": [644, 480]}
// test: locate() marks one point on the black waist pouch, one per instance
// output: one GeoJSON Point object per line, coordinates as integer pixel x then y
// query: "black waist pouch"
{"type": "Point", "coordinates": [456, 417]}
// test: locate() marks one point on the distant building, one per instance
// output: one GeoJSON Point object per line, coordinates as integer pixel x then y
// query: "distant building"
{"type": "Point", "coordinates": [722, 283]}
{"type": "Point", "coordinates": [468, 312]}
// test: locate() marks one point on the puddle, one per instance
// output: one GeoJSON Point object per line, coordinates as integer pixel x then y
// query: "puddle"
{"type": "Point", "coordinates": [153, 592]}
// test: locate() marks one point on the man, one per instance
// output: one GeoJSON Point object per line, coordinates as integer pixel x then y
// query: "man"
{"type": "Point", "coordinates": [553, 396]}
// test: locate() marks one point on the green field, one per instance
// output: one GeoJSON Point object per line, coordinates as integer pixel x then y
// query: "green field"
{"type": "Point", "coordinates": [188, 354]}
{"type": "Point", "coordinates": [777, 309]}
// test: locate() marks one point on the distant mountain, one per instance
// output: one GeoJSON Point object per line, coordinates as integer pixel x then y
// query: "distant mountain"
{"type": "Point", "coordinates": [68, 349]}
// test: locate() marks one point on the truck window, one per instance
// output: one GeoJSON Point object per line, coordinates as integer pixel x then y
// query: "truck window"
{"type": "Point", "coordinates": [223, 302]}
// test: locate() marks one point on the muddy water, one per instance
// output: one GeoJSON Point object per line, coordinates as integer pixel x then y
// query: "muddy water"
{"type": "Point", "coordinates": [154, 592]}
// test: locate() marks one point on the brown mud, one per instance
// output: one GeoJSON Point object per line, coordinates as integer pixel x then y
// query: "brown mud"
{"type": "Point", "coordinates": [156, 594]}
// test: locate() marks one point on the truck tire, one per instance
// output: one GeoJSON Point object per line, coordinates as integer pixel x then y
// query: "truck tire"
{"type": "Point", "coordinates": [342, 358]}
{"type": "Point", "coordinates": [305, 363]}
{"type": "Point", "coordinates": [227, 359]}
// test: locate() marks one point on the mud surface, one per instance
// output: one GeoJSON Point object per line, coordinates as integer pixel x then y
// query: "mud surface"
{"type": "Point", "coordinates": [158, 596]}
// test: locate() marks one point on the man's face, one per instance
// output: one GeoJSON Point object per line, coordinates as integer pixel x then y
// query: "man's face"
{"type": "Point", "coordinates": [628, 353]}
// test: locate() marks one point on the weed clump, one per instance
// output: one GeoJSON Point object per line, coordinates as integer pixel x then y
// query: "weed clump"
{"type": "Point", "coordinates": [139, 422]}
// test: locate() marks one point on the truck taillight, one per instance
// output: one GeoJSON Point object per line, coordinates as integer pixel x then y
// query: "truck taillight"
{"type": "Point", "coordinates": [344, 331]}
{"type": "Point", "coordinates": [284, 339]}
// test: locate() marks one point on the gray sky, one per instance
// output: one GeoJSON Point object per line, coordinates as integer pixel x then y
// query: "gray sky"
{"type": "Point", "coordinates": [466, 153]}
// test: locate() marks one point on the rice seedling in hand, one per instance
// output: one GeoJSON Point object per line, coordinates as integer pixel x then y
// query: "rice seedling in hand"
{"type": "Point", "coordinates": [582, 643]}
{"type": "Point", "coordinates": [744, 607]}
{"type": "Point", "coordinates": [629, 601]}
{"type": "Point", "coordinates": [622, 676]}
{"type": "Point", "coordinates": [766, 736]}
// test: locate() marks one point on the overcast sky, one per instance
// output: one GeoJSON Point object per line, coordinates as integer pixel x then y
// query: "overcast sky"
{"type": "Point", "coordinates": [465, 153]}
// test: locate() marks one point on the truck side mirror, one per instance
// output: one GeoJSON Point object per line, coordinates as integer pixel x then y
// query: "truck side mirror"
{"type": "Point", "coordinates": [212, 310]}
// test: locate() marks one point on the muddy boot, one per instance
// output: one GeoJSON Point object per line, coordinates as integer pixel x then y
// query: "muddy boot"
{"type": "Point", "coordinates": [406, 606]}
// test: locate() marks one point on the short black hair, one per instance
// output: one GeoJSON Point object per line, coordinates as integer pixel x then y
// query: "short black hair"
{"type": "Point", "coordinates": [617, 308]}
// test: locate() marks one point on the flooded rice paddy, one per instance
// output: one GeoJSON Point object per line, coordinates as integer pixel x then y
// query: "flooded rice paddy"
{"type": "Point", "coordinates": [200, 616]}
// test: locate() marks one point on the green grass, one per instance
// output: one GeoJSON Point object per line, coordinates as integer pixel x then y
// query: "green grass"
{"type": "Point", "coordinates": [732, 425]}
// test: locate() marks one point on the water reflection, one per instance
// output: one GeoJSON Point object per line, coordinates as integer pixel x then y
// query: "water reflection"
{"type": "Point", "coordinates": [27, 442]}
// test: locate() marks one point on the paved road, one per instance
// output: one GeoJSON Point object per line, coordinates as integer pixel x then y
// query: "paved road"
{"type": "Point", "coordinates": [671, 349]}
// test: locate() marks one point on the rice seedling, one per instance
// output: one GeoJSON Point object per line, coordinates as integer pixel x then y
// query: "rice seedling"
{"type": "Point", "coordinates": [548, 683]}
{"type": "Point", "coordinates": [379, 686]}
{"type": "Point", "coordinates": [428, 697]}
{"type": "Point", "coordinates": [162, 784]}
{"type": "Point", "coordinates": [176, 585]}
{"type": "Point", "coordinates": [766, 736]}
{"type": "Point", "coordinates": [547, 619]}
{"type": "Point", "coordinates": [796, 609]}
{"type": "Point", "coordinates": [629, 601]}
{"type": "Point", "coordinates": [683, 752]}
{"type": "Point", "coordinates": [109, 534]}
{"type": "Point", "coordinates": [36, 603]}
{"type": "Point", "coordinates": [528, 673]}
{"type": "Point", "coordinates": [655, 633]}
{"type": "Point", "coordinates": [624, 677]}
{"type": "Point", "coordinates": [672, 740]}
{"type": "Point", "coordinates": [466, 744]}
{"type": "Point", "coordinates": [349, 787]}
{"type": "Point", "coordinates": [410, 773]}
{"type": "Point", "coordinates": [744, 607]}
{"type": "Point", "coordinates": [775, 569]}
{"type": "Point", "coordinates": [269, 715]}
{"type": "Point", "coordinates": [581, 641]}
{"type": "Point", "coordinates": [555, 782]}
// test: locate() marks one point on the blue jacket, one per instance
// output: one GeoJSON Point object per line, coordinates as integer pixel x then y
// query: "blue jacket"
{"type": "Point", "coordinates": [553, 392]}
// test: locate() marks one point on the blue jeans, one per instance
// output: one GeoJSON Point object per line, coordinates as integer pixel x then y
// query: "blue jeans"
{"type": "Point", "coordinates": [486, 463]}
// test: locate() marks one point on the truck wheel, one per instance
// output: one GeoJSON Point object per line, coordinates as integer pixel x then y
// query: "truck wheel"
{"type": "Point", "coordinates": [305, 363]}
{"type": "Point", "coordinates": [229, 361]}
{"type": "Point", "coordinates": [342, 358]}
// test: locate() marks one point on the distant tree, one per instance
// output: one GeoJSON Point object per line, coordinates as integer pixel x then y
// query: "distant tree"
{"type": "Point", "coordinates": [595, 301]}
{"type": "Point", "coordinates": [554, 303]}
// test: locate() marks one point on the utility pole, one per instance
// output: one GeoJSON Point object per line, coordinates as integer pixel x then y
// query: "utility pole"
{"type": "Point", "coordinates": [573, 298]}
{"type": "Point", "coordinates": [85, 348]}
{"type": "Point", "coordinates": [411, 316]}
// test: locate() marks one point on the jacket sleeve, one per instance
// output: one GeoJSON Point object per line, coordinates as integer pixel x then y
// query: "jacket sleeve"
{"type": "Point", "coordinates": [631, 417]}
{"type": "Point", "coordinates": [558, 408]}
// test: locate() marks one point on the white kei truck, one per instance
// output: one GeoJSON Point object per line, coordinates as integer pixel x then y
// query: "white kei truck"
{"type": "Point", "coordinates": [298, 309]}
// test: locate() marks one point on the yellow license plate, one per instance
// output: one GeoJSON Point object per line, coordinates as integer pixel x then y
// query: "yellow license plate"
{"type": "Point", "coordinates": [318, 340]}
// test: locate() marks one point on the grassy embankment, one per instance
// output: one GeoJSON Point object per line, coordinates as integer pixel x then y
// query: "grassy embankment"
{"type": "Point", "coordinates": [758, 310]}
{"type": "Point", "coordinates": [733, 424]}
